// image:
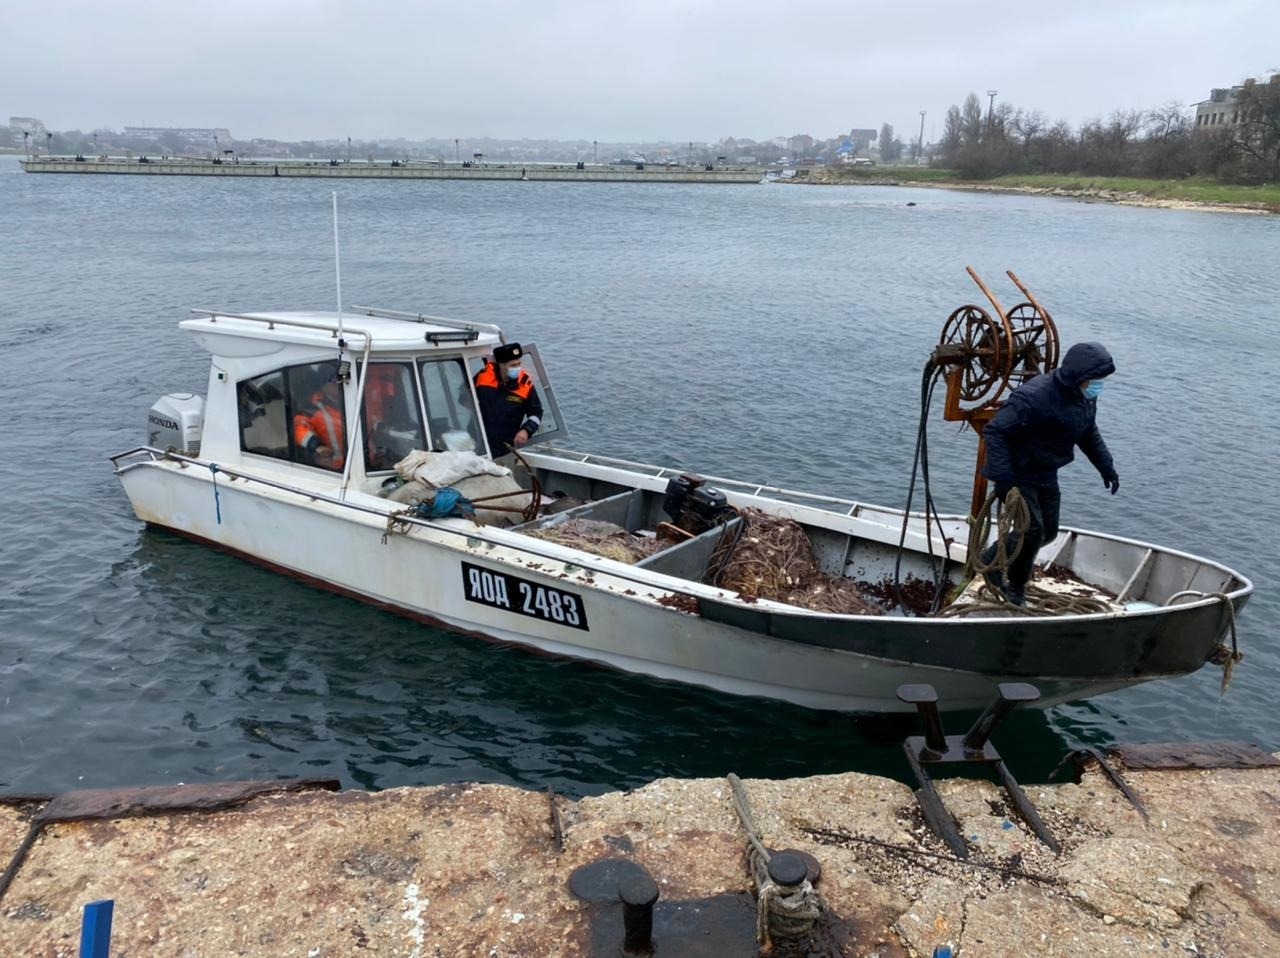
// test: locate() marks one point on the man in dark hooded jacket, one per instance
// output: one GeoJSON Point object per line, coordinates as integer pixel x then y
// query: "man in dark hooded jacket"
{"type": "Point", "coordinates": [1033, 435]}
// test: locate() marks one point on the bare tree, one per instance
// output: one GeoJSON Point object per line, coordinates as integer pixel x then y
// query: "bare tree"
{"type": "Point", "coordinates": [890, 146]}
{"type": "Point", "coordinates": [971, 116]}
{"type": "Point", "coordinates": [952, 128]}
{"type": "Point", "coordinates": [1257, 132]}
{"type": "Point", "coordinates": [1027, 126]}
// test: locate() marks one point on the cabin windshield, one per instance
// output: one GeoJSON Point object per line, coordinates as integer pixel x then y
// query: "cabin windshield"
{"type": "Point", "coordinates": [391, 416]}
{"type": "Point", "coordinates": [452, 419]}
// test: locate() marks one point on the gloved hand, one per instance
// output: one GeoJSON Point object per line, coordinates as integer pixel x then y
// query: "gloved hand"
{"type": "Point", "coordinates": [1112, 482]}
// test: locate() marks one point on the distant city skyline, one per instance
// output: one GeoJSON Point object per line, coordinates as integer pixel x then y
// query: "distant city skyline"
{"type": "Point", "coordinates": [311, 70]}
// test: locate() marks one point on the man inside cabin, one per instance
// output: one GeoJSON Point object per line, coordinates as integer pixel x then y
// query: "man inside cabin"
{"type": "Point", "coordinates": [509, 403]}
{"type": "Point", "coordinates": [319, 432]}
{"type": "Point", "coordinates": [1033, 435]}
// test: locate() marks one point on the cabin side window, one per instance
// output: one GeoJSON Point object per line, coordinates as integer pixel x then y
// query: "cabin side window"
{"type": "Point", "coordinates": [391, 416]}
{"type": "Point", "coordinates": [297, 414]}
{"type": "Point", "coordinates": [264, 415]}
{"type": "Point", "coordinates": [452, 419]}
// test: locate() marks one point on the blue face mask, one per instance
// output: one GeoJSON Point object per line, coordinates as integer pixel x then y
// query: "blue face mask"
{"type": "Point", "coordinates": [1093, 390]}
{"type": "Point", "coordinates": [513, 372]}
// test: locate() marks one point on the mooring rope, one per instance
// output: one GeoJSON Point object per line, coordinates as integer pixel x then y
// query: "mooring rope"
{"type": "Point", "coordinates": [1223, 656]}
{"type": "Point", "coordinates": [781, 912]}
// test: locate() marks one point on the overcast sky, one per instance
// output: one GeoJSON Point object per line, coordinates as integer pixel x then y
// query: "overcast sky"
{"type": "Point", "coordinates": [616, 71]}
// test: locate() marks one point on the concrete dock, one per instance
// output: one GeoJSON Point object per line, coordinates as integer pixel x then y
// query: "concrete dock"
{"type": "Point", "coordinates": [493, 871]}
{"type": "Point", "coordinates": [390, 170]}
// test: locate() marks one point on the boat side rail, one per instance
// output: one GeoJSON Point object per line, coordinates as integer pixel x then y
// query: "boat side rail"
{"type": "Point", "coordinates": [605, 566]}
{"type": "Point", "coordinates": [272, 321]}
{"type": "Point", "coordinates": [425, 318]}
{"type": "Point", "coordinates": [853, 509]}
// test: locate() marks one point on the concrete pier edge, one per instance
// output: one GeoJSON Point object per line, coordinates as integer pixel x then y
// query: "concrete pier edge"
{"type": "Point", "coordinates": [287, 868]}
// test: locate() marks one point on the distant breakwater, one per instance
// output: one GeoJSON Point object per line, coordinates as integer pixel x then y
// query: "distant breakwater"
{"type": "Point", "coordinates": [394, 169]}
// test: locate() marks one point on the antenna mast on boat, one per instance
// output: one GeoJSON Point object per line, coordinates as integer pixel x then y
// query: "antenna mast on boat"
{"type": "Point", "coordinates": [337, 270]}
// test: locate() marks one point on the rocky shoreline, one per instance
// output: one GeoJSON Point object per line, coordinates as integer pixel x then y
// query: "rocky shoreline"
{"type": "Point", "coordinates": [1086, 194]}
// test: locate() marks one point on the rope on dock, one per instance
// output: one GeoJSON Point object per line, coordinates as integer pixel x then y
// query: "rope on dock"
{"type": "Point", "coordinates": [781, 912]}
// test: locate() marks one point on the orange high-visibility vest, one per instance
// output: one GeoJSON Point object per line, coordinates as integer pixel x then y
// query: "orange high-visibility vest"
{"type": "Point", "coordinates": [325, 425]}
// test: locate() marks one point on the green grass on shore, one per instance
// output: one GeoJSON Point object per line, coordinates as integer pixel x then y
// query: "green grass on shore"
{"type": "Point", "coordinates": [1191, 190]}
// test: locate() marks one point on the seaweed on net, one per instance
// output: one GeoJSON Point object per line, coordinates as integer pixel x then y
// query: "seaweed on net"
{"type": "Point", "coordinates": [771, 558]}
{"type": "Point", "coordinates": [600, 538]}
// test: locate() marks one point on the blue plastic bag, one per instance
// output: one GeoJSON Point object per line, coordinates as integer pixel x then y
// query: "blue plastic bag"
{"type": "Point", "coordinates": [448, 502]}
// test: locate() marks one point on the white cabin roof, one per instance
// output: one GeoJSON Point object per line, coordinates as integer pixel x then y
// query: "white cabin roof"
{"type": "Point", "coordinates": [232, 334]}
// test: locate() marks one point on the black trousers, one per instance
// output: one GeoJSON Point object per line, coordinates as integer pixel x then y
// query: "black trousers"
{"type": "Point", "coordinates": [1044, 503]}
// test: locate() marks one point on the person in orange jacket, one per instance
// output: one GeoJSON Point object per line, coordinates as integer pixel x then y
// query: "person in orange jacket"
{"type": "Point", "coordinates": [319, 433]}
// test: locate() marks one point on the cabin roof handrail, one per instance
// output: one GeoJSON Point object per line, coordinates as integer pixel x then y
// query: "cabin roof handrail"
{"type": "Point", "coordinates": [271, 321]}
{"type": "Point", "coordinates": [428, 318]}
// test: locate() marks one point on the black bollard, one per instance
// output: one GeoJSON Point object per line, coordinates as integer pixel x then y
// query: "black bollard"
{"type": "Point", "coordinates": [925, 699]}
{"type": "Point", "coordinates": [786, 870]}
{"type": "Point", "coordinates": [638, 893]}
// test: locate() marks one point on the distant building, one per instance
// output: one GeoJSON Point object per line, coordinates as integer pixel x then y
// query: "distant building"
{"type": "Point", "coordinates": [1220, 109]}
{"type": "Point", "coordinates": [801, 144]}
{"type": "Point", "coordinates": [26, 124]}
{"type": "Point", "coordinates": [1223, 107]}
{"type": "Point", "coordinates": [209, 135]}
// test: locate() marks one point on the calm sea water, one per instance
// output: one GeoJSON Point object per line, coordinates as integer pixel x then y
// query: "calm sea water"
{"type": "Point", "coordinates": [774, 333]}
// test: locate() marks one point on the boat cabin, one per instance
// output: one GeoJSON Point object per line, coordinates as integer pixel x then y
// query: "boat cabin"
{"type": "Point", "coordinates": [314, 393]}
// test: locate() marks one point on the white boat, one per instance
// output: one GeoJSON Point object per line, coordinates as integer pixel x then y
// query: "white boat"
{"type": "Point", "coordinates": [228, 470]}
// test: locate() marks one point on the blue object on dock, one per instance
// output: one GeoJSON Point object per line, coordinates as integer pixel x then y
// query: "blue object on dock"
{"type": "Point", "coordinates": [95, 932]}
{"type": "Point", "coordinates": [942, 951]}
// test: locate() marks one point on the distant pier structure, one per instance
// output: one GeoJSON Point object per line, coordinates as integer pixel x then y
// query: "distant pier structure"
{"type": "Point", "coordinates": [392, 169]}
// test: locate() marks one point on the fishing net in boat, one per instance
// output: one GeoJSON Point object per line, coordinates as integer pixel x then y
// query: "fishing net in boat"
{"type": "Point", "coordinates": [601, 538]}
{"type": "Point", "coordinates": [771, 558]}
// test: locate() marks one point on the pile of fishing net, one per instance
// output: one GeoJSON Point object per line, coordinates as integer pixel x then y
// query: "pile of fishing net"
{"type": "Point", "coordinates": [601, 538]}
{"type": "Point", "coordinates": [771, 558]}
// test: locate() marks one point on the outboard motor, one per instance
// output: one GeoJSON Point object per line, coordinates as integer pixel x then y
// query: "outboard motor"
{"type": "Point", "coordinates": [175, 422]}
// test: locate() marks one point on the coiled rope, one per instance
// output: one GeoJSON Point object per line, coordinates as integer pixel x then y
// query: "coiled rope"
{"type": "Point", "coordinates": [781, 912]}
{"type": "Point", "coordinates": [1014, 521]}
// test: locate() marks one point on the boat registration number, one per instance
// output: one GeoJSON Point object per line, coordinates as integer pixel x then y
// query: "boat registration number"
{"type": "Point", "coordinates": [501, 590]}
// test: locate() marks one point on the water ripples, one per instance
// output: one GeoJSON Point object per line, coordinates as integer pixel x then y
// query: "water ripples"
{"type": "Point", "coordinates": [771, 333]}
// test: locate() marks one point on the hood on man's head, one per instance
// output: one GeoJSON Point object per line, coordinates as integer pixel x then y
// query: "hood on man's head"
{"type": "Point", "coordinates": [1085, 361]}
{"type": "Point", "coordinates": [507, 352]}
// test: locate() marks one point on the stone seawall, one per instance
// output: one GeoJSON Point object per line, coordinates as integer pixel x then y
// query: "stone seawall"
{"type": "Point", "coordinates": [389, 171]}
{"type": "Point", "coordinates": [484, 870]}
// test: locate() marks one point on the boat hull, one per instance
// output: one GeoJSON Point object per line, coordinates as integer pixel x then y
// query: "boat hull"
{"type": "Point", "coordinates": [639, 623]}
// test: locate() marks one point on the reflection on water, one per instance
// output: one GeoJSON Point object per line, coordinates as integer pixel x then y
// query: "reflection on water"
{"type": "Point", "coordinates": [771, 333]}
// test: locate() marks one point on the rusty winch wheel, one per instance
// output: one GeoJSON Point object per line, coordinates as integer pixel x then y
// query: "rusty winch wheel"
{"type": "Point", "coordinates": [978, 346]}
{"type": "Point", "coordinates": [1035, 343]}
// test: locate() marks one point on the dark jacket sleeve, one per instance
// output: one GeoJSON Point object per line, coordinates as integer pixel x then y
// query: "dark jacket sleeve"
{"type": "Point", "coordinates": [1091, 445]}
{"type": "Point", "coordinates": [532, 412]}
{"type": "Point", "coordinates": [1005, 429]}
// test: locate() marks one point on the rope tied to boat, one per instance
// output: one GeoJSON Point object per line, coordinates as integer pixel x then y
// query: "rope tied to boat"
{"type": "Point", "coordinates": [781, 911]}
{"type": "Point", "coordinates": [1226, 658]}
{"type": "Point", "coordinates": [217, 502]}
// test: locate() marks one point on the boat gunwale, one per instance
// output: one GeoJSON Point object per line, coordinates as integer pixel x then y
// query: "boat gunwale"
{"type": "Point", "coordinates": [696, 590]}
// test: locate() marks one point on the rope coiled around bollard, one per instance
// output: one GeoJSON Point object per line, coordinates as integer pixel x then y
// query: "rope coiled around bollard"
{"type": "Point", "coordinates": [781, 911]}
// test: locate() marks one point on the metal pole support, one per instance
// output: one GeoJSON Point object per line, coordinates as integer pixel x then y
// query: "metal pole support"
{"type": "Point", "coordinates": [638, 894]}
{"type": "Point", "coordinates": [1008, 697]}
